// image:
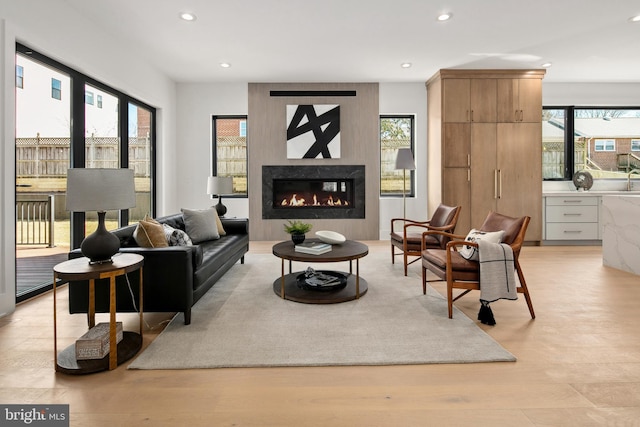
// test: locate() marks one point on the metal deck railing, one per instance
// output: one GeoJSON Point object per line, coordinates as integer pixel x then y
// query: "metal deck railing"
{"type": "Point", "coordinates": [35, 216]}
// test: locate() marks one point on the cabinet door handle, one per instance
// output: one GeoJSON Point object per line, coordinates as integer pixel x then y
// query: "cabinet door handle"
{"type": "Point", "coordinates": [471, 115]}
{"type": "Point", "coordinates": [572, 201]}
{"type": "Point", "coordinates": [500, 184]}
{"type": "Point", "coordinates": [468, 160]}
{"type": "Point", "coordinates": [495, 183]}
{"type": "Point", "coordinates": [572, 214]}
{"type": "Point", "coordinates": [516, 115]}
{"type": "Point", "coordinates": [468, 175]}
{"type": "Point", "coordinates": [572, 231]}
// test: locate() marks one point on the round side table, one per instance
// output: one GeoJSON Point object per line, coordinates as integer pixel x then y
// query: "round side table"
{"type": "Point", "coordinates": [79, 269]}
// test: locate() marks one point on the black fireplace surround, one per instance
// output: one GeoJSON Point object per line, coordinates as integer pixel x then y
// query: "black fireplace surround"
{"type": "Point", "coordinates": [329, 192]}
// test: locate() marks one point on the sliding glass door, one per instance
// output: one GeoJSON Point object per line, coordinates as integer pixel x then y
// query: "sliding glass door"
{"type": "Point", "coordinates": [43, 137]}
{"type": "Point", "coordinates": [65, 119]}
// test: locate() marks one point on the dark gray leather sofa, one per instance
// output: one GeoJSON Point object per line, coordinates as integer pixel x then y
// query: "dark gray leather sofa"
{"type": "Point", "coordinates": [174, 277]}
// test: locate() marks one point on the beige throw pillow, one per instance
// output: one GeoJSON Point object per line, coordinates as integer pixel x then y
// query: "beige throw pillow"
{"type": "Point", "coordinates": [150, 234]}
{"type": "Point", "coordinates": [221, 230]}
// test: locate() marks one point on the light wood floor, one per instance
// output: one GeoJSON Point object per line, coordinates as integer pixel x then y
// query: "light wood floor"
{"type": "Point", "coordinates": [578, 365]}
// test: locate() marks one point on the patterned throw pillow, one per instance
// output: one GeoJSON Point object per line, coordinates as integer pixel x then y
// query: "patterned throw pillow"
{"type": "Point", "coordinates": [176, 237]}
{"type": "Point", "coordinates": [471, 252]}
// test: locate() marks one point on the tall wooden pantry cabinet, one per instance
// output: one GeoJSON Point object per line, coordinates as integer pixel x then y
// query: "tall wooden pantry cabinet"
{"type": "Point", "coordinates": [485, 145]}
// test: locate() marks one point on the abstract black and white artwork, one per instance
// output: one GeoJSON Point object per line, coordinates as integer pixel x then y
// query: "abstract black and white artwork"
{"type": "Point", "coordinates": [313, 131]}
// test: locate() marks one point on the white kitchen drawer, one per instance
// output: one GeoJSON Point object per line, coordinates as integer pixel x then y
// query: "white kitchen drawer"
{"type": "Point", "coordinates": [572, 231]}
{"type": "Point", "coordinates": [572, 201]}
{"type": "Point", "coordinates": [572, 214]}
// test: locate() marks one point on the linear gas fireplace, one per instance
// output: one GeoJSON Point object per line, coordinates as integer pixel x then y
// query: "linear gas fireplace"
{"type": "Point", "coordinates": [323, 192]}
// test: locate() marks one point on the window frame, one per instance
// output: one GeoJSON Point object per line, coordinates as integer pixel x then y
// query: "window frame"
{"type": "Point", "coordinates": [412, 176]}
{"type": "Point", "coordinates": [19, 77]}
{"type": "Point", "coordinates": [214, 147]}
{"type": "Point", "coordinates": [569, 134]}
{"type": "Point", "coordinates": [77, 144]}
{"type": "Point", "coordinates": [604, 145]}
{"type": "Point", "coordinates": [56, 89]}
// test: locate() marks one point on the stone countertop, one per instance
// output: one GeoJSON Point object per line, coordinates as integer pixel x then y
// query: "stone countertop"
{"type": "Point", "coordinates": [575, 193]}
{"type": "Point", "coordinates": [621, 232]}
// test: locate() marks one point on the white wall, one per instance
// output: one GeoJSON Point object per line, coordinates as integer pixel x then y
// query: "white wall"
{"type": "Point", "coordinates": [195, 106]}
{"type": "Point", "coordinates": [407, 98]}
{"type": "Point", "coordinates": [591, 94]}
{"type": "Point", "coordinates": [56, 30]}
{"type": "Point", "coordinates": [198, 102]}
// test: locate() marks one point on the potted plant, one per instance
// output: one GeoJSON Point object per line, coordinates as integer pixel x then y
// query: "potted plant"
{"type": "Point", "coordinates": [297, 229]}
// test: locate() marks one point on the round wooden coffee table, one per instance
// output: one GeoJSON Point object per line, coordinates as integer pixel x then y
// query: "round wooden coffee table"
{"type": "Point", "coordinates": [286, 286]}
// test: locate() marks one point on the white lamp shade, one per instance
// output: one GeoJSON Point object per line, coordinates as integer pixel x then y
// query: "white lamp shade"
{"type": "Point", "coordinates": [404, 160]}
{"type": "Point", "coordinates": [220, 185]}
{"type": "Point", "coordinates": [100, 189]}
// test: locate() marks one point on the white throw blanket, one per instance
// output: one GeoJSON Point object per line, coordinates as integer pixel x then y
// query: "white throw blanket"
{"type": "Point", "coordinates": [497, 272]}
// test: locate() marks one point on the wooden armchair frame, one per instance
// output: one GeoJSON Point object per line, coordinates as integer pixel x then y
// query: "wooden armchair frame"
{"type": "Point", "coordinates": [460, 273]}
{"type": "Point", "coordinates": [411, 241]}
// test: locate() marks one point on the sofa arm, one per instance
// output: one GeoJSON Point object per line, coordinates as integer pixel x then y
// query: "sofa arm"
{"type": "Point", "coordinates": [235, 225]}
{"type": "Point", "coordinates": [168, 282]}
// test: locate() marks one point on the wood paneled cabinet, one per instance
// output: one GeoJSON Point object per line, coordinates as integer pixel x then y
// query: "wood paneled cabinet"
{"type": "Point", "coordinates": [519, 100]}
{"type": "Point", "coordinates": [474, 100]}
{"type": "Point", "coordinates": [486, 161]}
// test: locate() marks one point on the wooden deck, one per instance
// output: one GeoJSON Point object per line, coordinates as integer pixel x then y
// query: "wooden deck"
{"type": "Point", "coordinates": [35, 273]}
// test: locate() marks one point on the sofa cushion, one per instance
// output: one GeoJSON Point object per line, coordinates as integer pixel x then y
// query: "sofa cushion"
{"type": "Point", "coordinates": [214, 254]}
{"type": "Point", "coordinates": [200, 224]}
{"type": "Point", "coordinates": [150, 234]}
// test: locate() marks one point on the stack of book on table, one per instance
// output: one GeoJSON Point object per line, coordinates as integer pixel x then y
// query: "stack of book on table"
{"type": "Point", "coordinates": [313, 248]}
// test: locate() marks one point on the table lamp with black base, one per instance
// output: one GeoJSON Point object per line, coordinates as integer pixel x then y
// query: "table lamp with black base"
{"type": "Point", "coordinates": [219, 186]}
{"type": "Point", "coordinates": [100, 190]}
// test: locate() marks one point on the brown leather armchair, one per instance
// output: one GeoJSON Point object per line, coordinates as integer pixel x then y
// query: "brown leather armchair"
{"type": "Point", "coordinates": [460, 273]}
{"type": "Point", "coordinates": [406, 234]}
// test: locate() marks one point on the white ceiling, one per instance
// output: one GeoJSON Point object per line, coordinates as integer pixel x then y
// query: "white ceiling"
{"type": "Point", "coordinates": [367, 40]}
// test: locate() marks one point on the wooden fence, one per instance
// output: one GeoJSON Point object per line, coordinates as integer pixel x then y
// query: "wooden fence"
{"type": "Point", "coordinates": [50, 157]}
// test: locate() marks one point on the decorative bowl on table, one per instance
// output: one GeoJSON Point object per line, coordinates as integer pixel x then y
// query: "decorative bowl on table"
{"type": "Point", "coordinates": [331, 237]}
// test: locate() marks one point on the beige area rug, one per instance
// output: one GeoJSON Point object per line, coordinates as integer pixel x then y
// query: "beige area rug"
{"type": "Point", "coordinates": [241, 322]}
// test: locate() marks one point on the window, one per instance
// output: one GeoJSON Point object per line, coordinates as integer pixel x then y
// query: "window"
{"type": "Point", "coordinates": [601, 140]}
{"type": "Point", "coordinates": [121, 135]}
{"type": "Point", "coordinates": [56, 89]}
{"type": "Point", "coordinates": [19, 76]}
{"type": "Point", "coordinates": [99, 101]}
{"type": "Point", "coordinates": [229, 150]}
{"type": "Point", "coordinates": [605, 145]}
{"type": "Point", "coordinates": [396, 131]}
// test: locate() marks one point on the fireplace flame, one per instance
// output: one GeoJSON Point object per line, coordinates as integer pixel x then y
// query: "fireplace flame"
{"type": "Point", "coordinates": [296, 201]}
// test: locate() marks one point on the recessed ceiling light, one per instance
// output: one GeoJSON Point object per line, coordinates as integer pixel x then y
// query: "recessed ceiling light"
{"type": "Point", "coordinates": [406, 65]}
{"type": "Point", "coordinates": [188, 16]}
{"type": "Point", "coordinates": [546, 65]}
{"type": "Point", "coordinates": [635, 18]}
{"type": "Point", "coordinates": [445, 16]}
{"type": "Point", "coordinates": [225, 65]}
